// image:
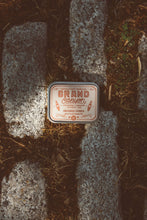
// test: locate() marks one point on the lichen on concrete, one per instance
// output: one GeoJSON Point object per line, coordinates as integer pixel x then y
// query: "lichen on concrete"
{"type": "Point", "coordinates": [142, 89]}
{"type": "Point", "coordinates": [97, 171]}
{"type": "Point", "coordinates": [87, 22]}
{"type": "Point", "coordinates": [23, 77]}
{"type": "Point", "coordinates": [23, 194]}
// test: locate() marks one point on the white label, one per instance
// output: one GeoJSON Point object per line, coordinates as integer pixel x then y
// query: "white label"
{"type": "Point", "coordinates": [73, 102]}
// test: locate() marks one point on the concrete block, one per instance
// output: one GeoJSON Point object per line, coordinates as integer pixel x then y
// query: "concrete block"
{"type": "Point", "coordinates": [23, 194]}
{"type": "Point", "coordinates": [23, 77]}
{"type": "Point", "coordinates": [87, 22]}
{"type": "Point", "coordinates": [97, 172]}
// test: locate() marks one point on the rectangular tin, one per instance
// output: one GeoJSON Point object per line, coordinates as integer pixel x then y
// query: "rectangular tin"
{"type": "Point", "coordinates": [73, 102]}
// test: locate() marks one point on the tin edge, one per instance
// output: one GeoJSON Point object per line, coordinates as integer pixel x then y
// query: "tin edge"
{"type": "Point", "coordinates": [79, 83]}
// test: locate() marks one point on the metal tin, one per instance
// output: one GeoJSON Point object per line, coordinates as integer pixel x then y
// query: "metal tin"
{"type": "Point", "coordinates": [73, 102]}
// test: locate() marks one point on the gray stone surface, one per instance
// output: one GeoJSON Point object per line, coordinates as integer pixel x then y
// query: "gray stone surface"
{"type": "Point", "coordinates": [97, 171]}
{"type": "Point", "coordinates": [23, 75]}
{"type": "Point", "coordinates": [87, 22]}
{"type": "Point", "coordinates": [142, 90]}
{"type": "Point", "coordinates": [23, 194]}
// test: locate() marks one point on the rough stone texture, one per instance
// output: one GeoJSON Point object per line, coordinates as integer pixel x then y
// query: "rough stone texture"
{"type": "Point", "coordinates": [87, 22]}
{"type": "Point", "coordinates": [23, 194]}
{"type": "Point", "coordinates": [97, 171]}
{"type": "Point", "coordinates": [142, 48]}
{"type": "Point", "coordinates": [23, 73]}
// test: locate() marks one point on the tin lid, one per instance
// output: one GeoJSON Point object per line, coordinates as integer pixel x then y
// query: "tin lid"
{"type": "Point", "coordinates": [73, 102]}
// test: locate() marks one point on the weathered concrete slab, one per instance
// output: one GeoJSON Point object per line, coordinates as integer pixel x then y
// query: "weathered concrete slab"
{"type": "Point", "coordinates": [23, 195]}
{"type": "Point", "coordinates": [97, 171]}
{"type": "Point", "coordinates": [23, 75]}
{"type": "Point", "coordinates": [87, 22]}
{"type": "Point", "coordinates": [142, 90]}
